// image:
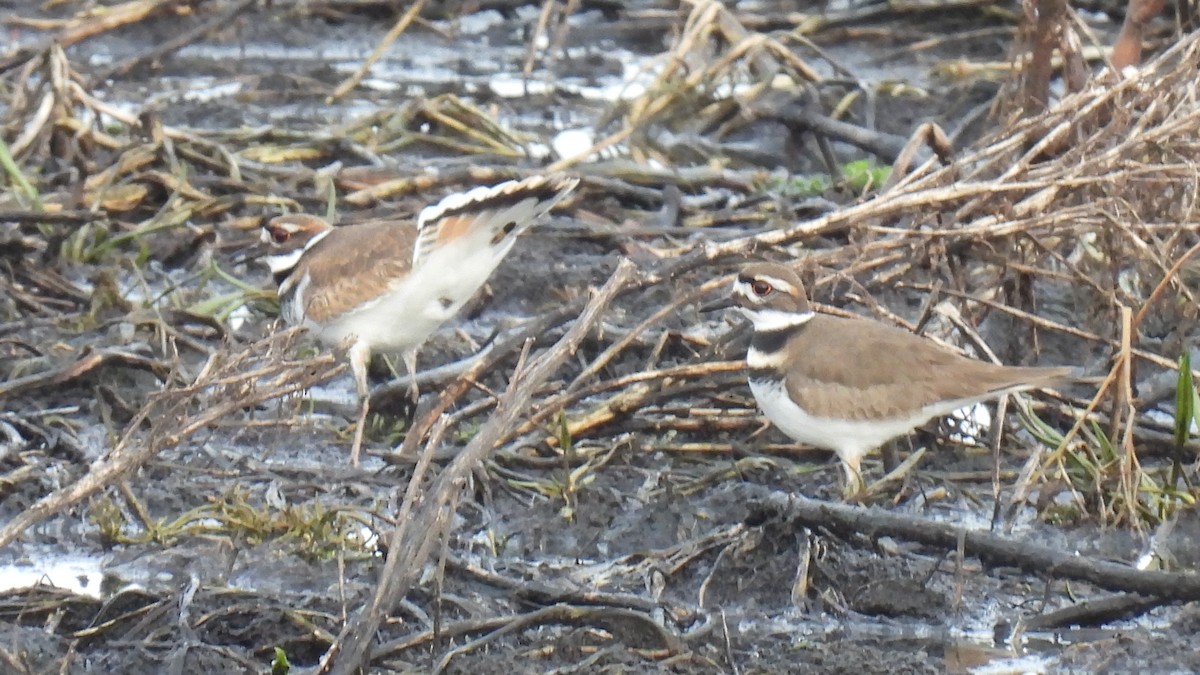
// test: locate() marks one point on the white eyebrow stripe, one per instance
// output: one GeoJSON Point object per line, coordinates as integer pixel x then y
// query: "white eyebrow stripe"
{"type": "Point", "coordinates": [777, 284]}
{"type": "Point", "coordinates": [319, 236]}
{"type": "Point", "coordinates": [780, 285]}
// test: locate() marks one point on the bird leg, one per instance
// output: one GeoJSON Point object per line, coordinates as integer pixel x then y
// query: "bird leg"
{"type": "Point", "coordinates": [414, 394]}
{"type": "Point", "coordinates": [360, 357]}
{"type": "Point", "coordinates": [410, 362]}
{"type": "Point", "coordinates": [855, 488]}
{"type": "Point", "coordinates": [891, 455]}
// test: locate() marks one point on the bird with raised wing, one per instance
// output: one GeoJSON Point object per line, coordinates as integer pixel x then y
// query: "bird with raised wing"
{"type": "Point", "coordinates": [388, 285]}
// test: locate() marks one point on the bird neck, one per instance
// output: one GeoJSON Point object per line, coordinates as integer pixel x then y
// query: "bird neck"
{"type": "Point", "coordinates": [768, 352]}
{"type": "Point", "coordinates": [774, 320]}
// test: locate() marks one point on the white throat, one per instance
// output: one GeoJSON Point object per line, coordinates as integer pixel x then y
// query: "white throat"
{"type": "Point", "coordinates": [774, 319]}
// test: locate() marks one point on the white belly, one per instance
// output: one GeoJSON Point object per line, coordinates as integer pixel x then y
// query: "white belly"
{"type": "Point", "coordinates": [850, 440]}
{"type": "Point", "coordinates": [414, 308]}
{"type": "Point", "coordinates": [389, 325]}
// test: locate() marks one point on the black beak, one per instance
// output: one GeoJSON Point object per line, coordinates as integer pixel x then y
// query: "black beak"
{"type": "Point", "coordinates": [251, 253]}
{"type": "Point", "coordinates": [720, 303]}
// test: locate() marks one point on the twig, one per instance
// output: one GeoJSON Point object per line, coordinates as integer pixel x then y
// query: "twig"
{"type": "Point", "coordinates": [991, 548]}
{"type": "Point", "coordinates": [570, 614]}
{"type": "Point", "coordinates": [412, 541]}
{"type": "Point", "coordinates": [87, 363]}
{"type": "Point", "coordinates": [224, 387]}
{"type": "Point", "coordinates": [401, 25]}
{"type": "Point", "coordinates": [218, 22]}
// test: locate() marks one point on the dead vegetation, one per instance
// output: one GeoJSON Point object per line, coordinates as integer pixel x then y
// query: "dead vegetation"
{"type": "Point", "coordinates": [1070, 235]}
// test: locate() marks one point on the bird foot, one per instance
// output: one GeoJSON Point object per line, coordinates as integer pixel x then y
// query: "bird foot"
{"type": "Point", "coordinates": [855, 492]}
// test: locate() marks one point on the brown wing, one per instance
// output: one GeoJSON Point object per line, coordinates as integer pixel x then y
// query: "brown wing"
{"type": "Point", "coordinates": [353, 264]}
{"type": "Point", "coordinates": [866, 370]}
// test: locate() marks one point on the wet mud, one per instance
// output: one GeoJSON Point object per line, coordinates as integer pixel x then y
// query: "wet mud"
{"type": "Point", "coordinates": [650, 542]}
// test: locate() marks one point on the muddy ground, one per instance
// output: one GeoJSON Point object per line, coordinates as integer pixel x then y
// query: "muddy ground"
{"type": "Point", "coordinates": [657, 542]}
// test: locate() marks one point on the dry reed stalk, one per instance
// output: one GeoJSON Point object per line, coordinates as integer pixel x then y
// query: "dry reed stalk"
{"type": "Point", "coordinates": [229, 382]}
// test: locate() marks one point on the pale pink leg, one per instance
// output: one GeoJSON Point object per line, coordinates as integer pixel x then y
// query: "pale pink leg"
{"type": "Point", "coordinates": [855, 488]}
{"type": "Point", "coordinates": [360, 357]}
{"type": "Point", "coordinates": [410, 362]}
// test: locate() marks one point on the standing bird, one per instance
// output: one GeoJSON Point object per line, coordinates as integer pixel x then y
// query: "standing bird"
{"type": "Point", "coordinates": [388, 285]}
{"type": "Point", "coordinates": [850, 385]}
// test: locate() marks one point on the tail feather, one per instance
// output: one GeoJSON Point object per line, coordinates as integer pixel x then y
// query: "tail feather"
{"type": "Point", "coordinates": [487, 216]}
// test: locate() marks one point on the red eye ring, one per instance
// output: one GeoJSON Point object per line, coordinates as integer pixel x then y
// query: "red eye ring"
{"type": "Point", "coordinates": [761, 288]}
{"type": "Point", "coordinates": [280, 235]}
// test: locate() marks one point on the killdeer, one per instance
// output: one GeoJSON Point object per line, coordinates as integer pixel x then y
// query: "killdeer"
{"type": "Point", "coordinates": [850, 385]}
{"type": "Point", "coordinates": [388, 285]}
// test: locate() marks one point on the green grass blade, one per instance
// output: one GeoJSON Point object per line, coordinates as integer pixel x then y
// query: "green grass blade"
{"type": "Point", "coordinates": [1187, 402]}
{"type": "Point", "coordinates": [18, 178]}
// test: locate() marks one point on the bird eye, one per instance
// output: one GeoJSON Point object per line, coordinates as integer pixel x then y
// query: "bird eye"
{"type": "Point", "coordinates": [280, 235]}
{"type": "Point", "coordinates": [761, 288]}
